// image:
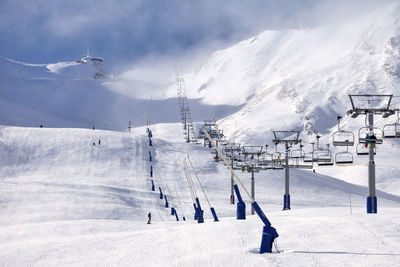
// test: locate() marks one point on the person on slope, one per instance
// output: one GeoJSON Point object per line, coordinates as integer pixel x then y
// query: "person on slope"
{"type": "Point", "coordinates": [149, 220]}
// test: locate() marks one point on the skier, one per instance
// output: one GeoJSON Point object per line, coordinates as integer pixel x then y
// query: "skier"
{"type": "Point", "coordinates": [149, 220]}
{"type": "Point", "coordinates": [370, 142]}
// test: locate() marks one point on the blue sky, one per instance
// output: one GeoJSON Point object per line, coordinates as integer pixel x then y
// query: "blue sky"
{"type": "Point", "coordinates": [39, 31]}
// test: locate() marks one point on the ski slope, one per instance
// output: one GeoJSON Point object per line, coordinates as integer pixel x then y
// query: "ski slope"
{"type": "Point", "coordinates": [67, 202]}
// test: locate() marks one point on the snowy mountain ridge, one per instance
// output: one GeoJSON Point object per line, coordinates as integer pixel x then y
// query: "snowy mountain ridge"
{"type": "Point", "coordinates": [300, 79]}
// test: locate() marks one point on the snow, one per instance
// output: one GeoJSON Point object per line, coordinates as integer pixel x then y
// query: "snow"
{"type": "Point", "coordinates": [65, 199]}
{"type": "Point", "coordinates": [67, 202]}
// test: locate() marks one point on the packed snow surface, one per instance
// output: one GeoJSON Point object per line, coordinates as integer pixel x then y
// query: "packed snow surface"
{"type": "Point", "coordinates": [65, 201]}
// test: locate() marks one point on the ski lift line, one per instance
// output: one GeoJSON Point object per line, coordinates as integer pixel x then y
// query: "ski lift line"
{"type": "Point", "coordinates": [170, 196]}
{"type": "Point", "coordinates": [227, 164]}
{"type": "Point", "coordinates": [201, 186]}
{"type": "Point", "coordinates": [190, 188]}
{"type": "Point", "coordinates": [179, 201]}
{"type": "Point", "coordinates": [218, 136]}
{"type": "Point", "coordinates": [190, 178]}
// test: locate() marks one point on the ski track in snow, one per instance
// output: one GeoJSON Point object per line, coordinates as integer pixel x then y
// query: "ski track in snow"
{"type": "Point", "coordinates": [65, 202]}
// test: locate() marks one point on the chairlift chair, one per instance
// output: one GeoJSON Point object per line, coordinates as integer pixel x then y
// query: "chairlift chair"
{"type": "Point", "coordinates": [324, 160]}
{"type": "Point", "coordinates": [392, 130]}
{"type": "Point", "coordinates": [309, 157]}
{"type": "Point", "coordinates": [342, 137]}
{"type": "Point", "coordinates": [297, 153]}
{"type": "Point", "coordinates": [364, 132]}
{"type": "Point", "coordinates": [324, 157]}
{"type": "Point", "coordinates": [361, 150]}
{"type": "Point", "coordinates": [344, 157]}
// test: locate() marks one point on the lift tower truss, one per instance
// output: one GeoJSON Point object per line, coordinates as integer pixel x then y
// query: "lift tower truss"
{"type": "Point", "coordinates": [288, 138]}
{"type": "Point", "coordinates": [370, 105]}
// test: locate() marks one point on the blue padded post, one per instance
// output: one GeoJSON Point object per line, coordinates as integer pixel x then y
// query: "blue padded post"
{"type": "Point", "coordinates": [372, 205]}
{"type": "Point", "coordinates": [176, 215]}
{"type": "Point", "coordinates": [184, 218]}
{"type": "Point", "coordinates": [153, 188]}
{"type": "Point", "coordinates": [161, 194]}
{"type": "Point", "coordinates": [198, 203]}
{"type": "Point", "coordinates": [241, 211]}
{"type": "Point", "coordinates": [241, 206]}
{"type": "Point", "coordinates": [238, 195]}
{"type": "Point", "coordinates": [260, 214]}
{"type": "Point", "coordinates": [166, 201]}
{"type": "Point", "coordinates": [200, 212]}
{"type": "Point", "coordinates": [201, 216]}
{"type": "Point", "coordinates": [150, 159]}
{"type": "Point", "coordinates": [151, 171]}
{"type": "Point", "coordinates": [286, 202]}
{"type": "Point", "coordinates": [172, 211]}
{"type": "Point", "coordinates": [196, 214]}
{"type": "Point", "coordinates": [214, 214]}
{"type": "Point", "coordinates": [268, 236]}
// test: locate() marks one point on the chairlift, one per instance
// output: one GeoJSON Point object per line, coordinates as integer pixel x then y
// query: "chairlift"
{"type": "Point", "coordinates": [324, 158]}
{"type": "Point", "coordinates": [344, 157]}
{"type": "Point", "coordinates": [277, 156]}
{"type": "Point", "coordinates": [362, 150]}
{"type": "Point", "coordinates": [369, 134]}
{"type": "Point", "coordinates": [364, 135]}
{"type": "Point", "coordinates": [392, 130]}
{"type": "Point", "coordinates": [297, 153]}
{"type": "Point", "coordinates": [309, 156]}
{"type": "Point", "coordinates": [342, 137]}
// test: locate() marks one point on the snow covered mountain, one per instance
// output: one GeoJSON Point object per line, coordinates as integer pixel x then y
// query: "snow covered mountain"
{"type": "Point", "coordinates": [301, 78]}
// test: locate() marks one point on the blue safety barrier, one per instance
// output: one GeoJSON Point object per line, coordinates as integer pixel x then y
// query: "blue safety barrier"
{"type": "Point", "coordinates": [151, 171]}
{"type": "Point", "coordinates": [269, 232]}
{"type": "Point", "coordinates": [153, 188]}
{"type": "Point", "coordinates": [166, 201]}
{"type": "Point", "coordinates": [214, 214]}
{"type": "Point", "coordinates": [200, 212]}
{"type": "Point", "coordinates": [200, 219]}
{"type": "Point", "coordinates": [268, 236]}
{"type": "Point", "coordinates": [196, 214]}
{"type": "Point", "coordinates": [241, 206]}
{"type": "Point", "coordinates": [150, 159]}
{"type": "Point", "coordinates": [260, 213]}
{"type": "Point", "coordinates": [372, 205]}
{"type": "Point", "coordinates": [161, 193]}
